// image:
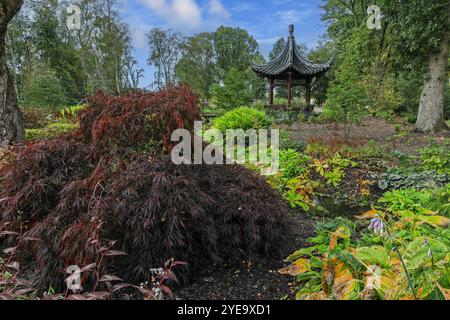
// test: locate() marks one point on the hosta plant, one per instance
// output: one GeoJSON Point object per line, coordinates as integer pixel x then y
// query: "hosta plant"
{"type": "Point", "coordinates": [403, 252]}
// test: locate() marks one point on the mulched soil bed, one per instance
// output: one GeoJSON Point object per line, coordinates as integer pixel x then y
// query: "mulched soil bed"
{"type": "Point", "coordinates": [256, 280]}
{"type": "Point", "coordinates": [373, 129]}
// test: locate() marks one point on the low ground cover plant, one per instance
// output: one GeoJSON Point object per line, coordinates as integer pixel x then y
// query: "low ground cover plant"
{"type": "Point", "coordinates": [42, 126]}
{"type": "Point", "coordinates": [304, 176]}
{"type": "Point", "coordinates": [50, 131]}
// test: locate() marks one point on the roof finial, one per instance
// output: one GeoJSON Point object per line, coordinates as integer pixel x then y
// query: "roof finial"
{"type": "Point", "coordinates": [291, 30]}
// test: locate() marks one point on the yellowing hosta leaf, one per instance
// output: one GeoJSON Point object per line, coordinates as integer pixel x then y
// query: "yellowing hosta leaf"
{"type": "Point", "coordinates": [384, 284]}
{"type": "Point", "coordinates": [399, 225]}
{"type": "Point", "coordinates": [445, 292]}
{"type": "Point", "coordinates": [435, 221]}
{"type": "Point", "coordinates": [341, 233]}
{"type": "Point", "coordinates": [345, 287]}
{"type": "Point", "coordinates": [328, 274]}
{"type": "Point", "coordinates": [394, 283]}
{"type": "Point", "coordinates": [369, 215]}
{"type": "Point", "coordinates": [314, 296]}
{"type": "Point", "coordinates": [298, 267]}
{"type": "Point", "coordinates": [333, 241]}
{"type": "Point", "coordinates": [395, 264]}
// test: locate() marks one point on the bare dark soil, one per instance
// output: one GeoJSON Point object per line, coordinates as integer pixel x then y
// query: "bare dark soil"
{"type": "Point", "coordinates": [253, 280]}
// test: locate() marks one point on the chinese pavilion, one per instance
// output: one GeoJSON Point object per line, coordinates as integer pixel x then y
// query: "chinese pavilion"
{"type": "Point", "coordinates": [290, 69]}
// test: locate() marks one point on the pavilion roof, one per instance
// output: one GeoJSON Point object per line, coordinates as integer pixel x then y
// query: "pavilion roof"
{"type": "Point", "coordinates": [290, 60]}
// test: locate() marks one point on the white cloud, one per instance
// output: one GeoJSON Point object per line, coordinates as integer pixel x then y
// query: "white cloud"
{"type": "Point", "coordinates": [292, 16]}
{"type": "Point", "coordinates": [178, 13]}
{"type": "Point", "coordinates": [217, 8]}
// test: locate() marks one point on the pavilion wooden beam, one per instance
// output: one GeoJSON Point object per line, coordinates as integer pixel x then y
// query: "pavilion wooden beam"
{"type": "Point", "coordinates": [308, 92]}
{"type": "Point", "coordinates": [290, 89]}
{"type": "Point", "coordinates": [285, 85]}
{"type": "Point", "coordinates": [271, 87]}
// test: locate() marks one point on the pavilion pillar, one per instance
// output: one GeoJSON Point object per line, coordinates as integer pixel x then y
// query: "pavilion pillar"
{"type": "Point", "coordinates": [290, 89]}
{"type": "Point", "coordinates": [271, 87]}
{"type": "Point", "coordinates": [308, 92]}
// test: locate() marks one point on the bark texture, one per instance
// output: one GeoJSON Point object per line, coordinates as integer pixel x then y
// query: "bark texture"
{"type": "Point", "coordinates": [11, 119]}
{"type": "Point", "coordinates": [431, 108]}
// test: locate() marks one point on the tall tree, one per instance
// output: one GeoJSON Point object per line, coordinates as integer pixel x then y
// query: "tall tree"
{"type": "Point", "coordinates": [165, 52]}
{"type": "Point", "coordinates": [434, 33]}
{"type": "Point", "coordinates": [404, 59]}
{"type": "Point", "coordinates": [96, 56]}
{"type": "Point", "coordinates": [235, 48]}
{"type": "Point", "coordinates": [277, 48]}
{"type": "Point", "coordinates": [53, 47]}
{"type": "Point", "coordinates": [11, 122]}
{"type": "Point", "coordinates": [279, 45]}
{"type": "Point", "coordinates": [197, 66]}
{"type": "Point", "coordinates": [18, 47]}
{"type": "Point", "coordinates": [322, 53]}
{"type": "Point", "coordinates": [235, 91]}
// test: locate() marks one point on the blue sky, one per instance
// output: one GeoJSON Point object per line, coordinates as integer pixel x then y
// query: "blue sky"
{"type": "Point", "coordinates": [265, 20]}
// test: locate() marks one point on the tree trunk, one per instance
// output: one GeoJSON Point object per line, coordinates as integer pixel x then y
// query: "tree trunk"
{"type": "Point", "coordinates": [11, 120]}
{"type": "Point", "coordinates": [431, 108]}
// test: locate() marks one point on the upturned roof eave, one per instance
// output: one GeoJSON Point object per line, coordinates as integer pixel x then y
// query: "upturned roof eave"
{"type": "Point", "coordinates": [290, 59]}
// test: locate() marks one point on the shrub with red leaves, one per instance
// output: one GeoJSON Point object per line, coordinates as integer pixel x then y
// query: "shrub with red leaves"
{"type": "Point", "coordinates": [113, 181]}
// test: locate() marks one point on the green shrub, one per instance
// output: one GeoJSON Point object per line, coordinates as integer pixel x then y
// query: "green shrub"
{"type": "Point", "coordinates": [346, 97]}
{"type": "Point", "coordinates": [383, 97]}
{"type": "Point", "coordinates": [234, 92]}
{"type": "Point", "coordinates": [42, 89]}
{"type": "Point", "coordinates": [429, 170]}
{"type": "Point", "coordinates": [259, 105]}
{"type": "Point", "coordinates": [242, 118]}
{"type": "Point", "coordinates": [298, 103]}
